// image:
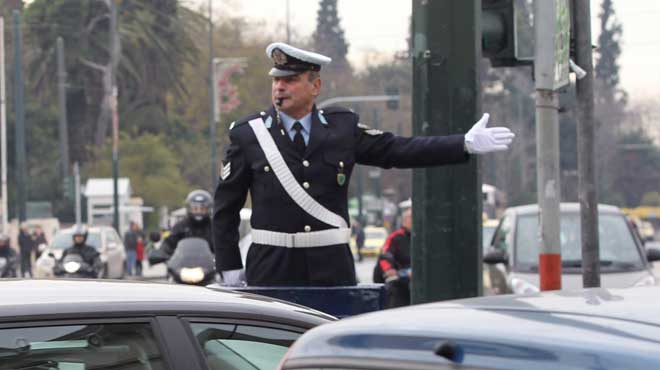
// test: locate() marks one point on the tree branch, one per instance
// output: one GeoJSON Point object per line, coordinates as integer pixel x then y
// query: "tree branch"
{"type": "Point", "coordinates": [94, 21]}
{"type": "Point", "coordinates": [93, 65]}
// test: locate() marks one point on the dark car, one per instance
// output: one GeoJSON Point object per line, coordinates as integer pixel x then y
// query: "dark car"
{"type": "Point", "coordinates": [606, 329]}
{"type": "Point", "coordinates": [78, 324]}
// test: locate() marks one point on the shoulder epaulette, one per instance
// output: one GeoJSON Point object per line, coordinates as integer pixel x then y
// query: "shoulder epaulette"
{"type": "Point", "coordinates": [244, 120]}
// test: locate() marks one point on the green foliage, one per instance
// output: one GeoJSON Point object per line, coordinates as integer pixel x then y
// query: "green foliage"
{"type": "Point", "coordinates": [651, 198]}
{"type": "Point", "coordinates": [154, 169]}
{"type": "Point", "coordinates": [329, 35]}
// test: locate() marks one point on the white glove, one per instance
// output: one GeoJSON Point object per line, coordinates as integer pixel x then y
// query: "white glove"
{"type": "Point", "coordinates": [481, 140]}
{"type": "Point", "coordinates": [233, 277]}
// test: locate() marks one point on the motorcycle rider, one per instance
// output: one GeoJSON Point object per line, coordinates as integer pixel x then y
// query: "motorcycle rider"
{"type": "Point", "coordinates": [89, 254]}
{"type": "Point", "coordinates": [7, 252]}
{"type": "Point", "coordinates": [197, 222]}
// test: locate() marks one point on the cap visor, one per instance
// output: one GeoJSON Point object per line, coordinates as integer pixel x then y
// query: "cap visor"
{"type": "Point", "coordinates": [274, 72]}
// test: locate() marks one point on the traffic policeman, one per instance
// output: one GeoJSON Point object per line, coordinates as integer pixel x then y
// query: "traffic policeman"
{"type": "Point", "coordinates": [296, 160]}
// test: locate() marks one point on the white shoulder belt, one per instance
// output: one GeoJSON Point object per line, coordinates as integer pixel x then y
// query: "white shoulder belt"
{"type": "Point", "coordinates": [302, 199]}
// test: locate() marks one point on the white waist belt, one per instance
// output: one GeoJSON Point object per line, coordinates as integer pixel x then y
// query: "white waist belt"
{"type": "Point", "coordinates": [302, 240]}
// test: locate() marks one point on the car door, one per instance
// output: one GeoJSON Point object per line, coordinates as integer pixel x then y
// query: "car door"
{"type": "Point", "coordinates": [120, 344]}
{"type": "Point", "coordinates": [241, 344]}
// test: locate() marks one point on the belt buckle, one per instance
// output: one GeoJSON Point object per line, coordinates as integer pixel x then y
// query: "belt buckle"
{"type": "Point", "coordinates": [293, 240]}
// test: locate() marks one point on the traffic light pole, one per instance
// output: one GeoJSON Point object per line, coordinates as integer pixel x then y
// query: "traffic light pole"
{"type": "Point", "coordinates": [446, 240]}
{"type": "Point", "coordinates": [586, 149]}
{"type": "Point", "coordinates": [552, 35]}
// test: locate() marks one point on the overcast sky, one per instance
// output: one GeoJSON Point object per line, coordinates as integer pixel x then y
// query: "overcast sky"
{"type": "Point", "coordinates": [381, 26]}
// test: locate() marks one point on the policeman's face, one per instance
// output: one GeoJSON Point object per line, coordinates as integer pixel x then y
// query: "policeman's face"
{"type": "Point", "coordinates": [297, 93]}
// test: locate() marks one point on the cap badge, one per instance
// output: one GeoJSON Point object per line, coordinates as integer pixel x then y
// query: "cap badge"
{"type": "Point", "coordinates": [279, 57]}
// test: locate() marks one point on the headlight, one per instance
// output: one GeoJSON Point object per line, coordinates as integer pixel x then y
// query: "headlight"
{"type": "Point", "coordinates": [71, 267]}
{"type": "Point", "coordinates": [191, 275]}
{"type": "Point", "coordinates": [520, 286]}
{"type": "Point", "coordinates": [646, 281]}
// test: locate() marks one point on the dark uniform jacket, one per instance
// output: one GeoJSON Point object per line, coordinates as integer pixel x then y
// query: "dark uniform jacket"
{"type": "Point", "coordinates": [341, 140]}
{"type": "Point", "coordinates": [187, 229]}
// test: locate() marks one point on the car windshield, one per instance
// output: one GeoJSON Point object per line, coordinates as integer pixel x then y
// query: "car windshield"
{"type": "Point", "coordinates": [64, 240]}
{"type": "Point", "coordinates": [618, 250]}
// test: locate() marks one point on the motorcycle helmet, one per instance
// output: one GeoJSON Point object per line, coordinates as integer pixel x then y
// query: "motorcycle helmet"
{"type": "Point", "coordinates": [198, 205]}
{"type": "Point", "coordinates": [79, 230]}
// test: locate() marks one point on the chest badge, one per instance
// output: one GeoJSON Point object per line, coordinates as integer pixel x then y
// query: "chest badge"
{"type": "Point", "coordinates": [341, 176]}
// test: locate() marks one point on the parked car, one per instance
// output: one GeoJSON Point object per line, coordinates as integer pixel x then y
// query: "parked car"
{"type": "Point", "coordinates": [104, 238]}
{"type": "Point", "coordinates": [578, 330]}
{"type": "Point", "coordinates": [515, 249]}
{"type": "Point", "coordinates": [374, 239]}
{"type": "Point", "coordinates": [97, 324]}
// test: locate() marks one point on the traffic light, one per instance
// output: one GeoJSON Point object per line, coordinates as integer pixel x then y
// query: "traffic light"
{"type": "Point", "coordinates": [392, 104]}
{"type": "Point", "coordinates": [507, 35]}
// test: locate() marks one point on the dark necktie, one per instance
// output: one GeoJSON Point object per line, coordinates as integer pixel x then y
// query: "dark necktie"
{"type": "Point", "coordinates": [298, 140]}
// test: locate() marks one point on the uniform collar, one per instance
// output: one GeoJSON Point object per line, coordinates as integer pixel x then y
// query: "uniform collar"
{"type": "Point", "coordinates": [288, 121]}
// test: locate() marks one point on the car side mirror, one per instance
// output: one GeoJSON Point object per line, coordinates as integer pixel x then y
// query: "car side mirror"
{"type": "Point", "coordinates": [158, 256]}
{"type": "Point", "coordinates": [496, 256]}
{"type": "Point", "coordinates": [653, 254]}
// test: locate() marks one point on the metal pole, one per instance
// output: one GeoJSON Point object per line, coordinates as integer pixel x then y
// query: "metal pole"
{"type": "Point", "coordinates": [212, 108]}
{"type": "Point", "coordinates": [587, 188]}
{"type": "Point", "coordinates": [288, 23]}
{"type": "Point", "coordinates": [3, 127]}
{"type": "Point", "coordinates": [547, 148]}
{"type": "Point", "coordinates": [76, 177]}
{"type": "Point", "coordinates": [61, 89]}
{"type": "Point", "coordinates": [214, 124]}
{"type": "Point", "coordinates": [115, 117]}
{"type": "Point", "coordinates": [547, 158]}
{"type": "Point", "coordinates": [21, 186]}
{"type": "Point", "coordinates": [446, 237]}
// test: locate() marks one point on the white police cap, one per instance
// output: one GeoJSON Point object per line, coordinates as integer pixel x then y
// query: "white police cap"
{"type": "Point", "coordinates": [289, 60]}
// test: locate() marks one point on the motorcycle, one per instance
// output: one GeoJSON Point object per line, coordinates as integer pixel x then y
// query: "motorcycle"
{"type": "Point", "coordinates": [191, 263]}
{"type": "Point", "coordinates": [8, 267]}
{"type": "Point", "coordinates": [73, 266]}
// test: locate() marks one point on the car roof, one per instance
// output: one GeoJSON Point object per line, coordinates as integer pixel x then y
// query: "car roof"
{"type": "Point", "coordinates": [566, 207]}
{"type": "Point", "coordinates": [25, 299]}
{"type": "Point", "coordinates": [620, 321]}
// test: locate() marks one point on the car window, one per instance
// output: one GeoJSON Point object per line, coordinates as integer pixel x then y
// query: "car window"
{"type": "Point", "coordinates": [63, 240]}
{"type": "Point", "coordinates": [617, 243]}
{"type": "Point", "coordinates": [499, 241]}
{"type": "Point", "coordinates": [112, 237]}
{"type": "Point", "coordinates": [80, 347]}
{"type": "Point", "coordinates": [242, 347]}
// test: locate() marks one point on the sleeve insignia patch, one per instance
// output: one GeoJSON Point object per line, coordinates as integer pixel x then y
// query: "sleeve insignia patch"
{"type": "Point", "coordinates": [226, 171]}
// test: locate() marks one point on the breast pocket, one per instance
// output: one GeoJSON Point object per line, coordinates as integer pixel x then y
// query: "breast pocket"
{"type": "Point", "coordinates": [338, 167]}
{"type": "Point", "coordinates": [263, 178]}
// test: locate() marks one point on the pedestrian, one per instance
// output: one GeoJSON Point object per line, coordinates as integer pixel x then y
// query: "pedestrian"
{"type": "Point", "coordinates": [130, 243]}
{"type": "Point", "coordinates": [358, 232]}
{"type": "Point", "coordinates": [39, 239]}
{"type": "Point", "coordinates": [26, 248]}
{"type": "Point", "coordinates": [139, 256]}
{"type": "Point", "coordinates": [394, 263]}
{"type": "Point", "coordinates": [296, 160]}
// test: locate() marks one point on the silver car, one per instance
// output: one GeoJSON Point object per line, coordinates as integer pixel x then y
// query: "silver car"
{"type": "Point", "coordinates": [104, 238]}
{"type": "Point", "coordinates": [514, 251]}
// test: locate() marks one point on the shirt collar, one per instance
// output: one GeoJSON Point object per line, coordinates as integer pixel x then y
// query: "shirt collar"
{"type": "Point", "coordinates": [288, 121]}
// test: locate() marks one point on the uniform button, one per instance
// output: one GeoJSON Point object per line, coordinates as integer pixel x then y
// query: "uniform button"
{"type": "Point", "coordinates": [306, 163]}
{"type": "Point", "coordinates": [308, 228]}
{"type": "Point", "coordinates": [321, 111]}
{"type": "Point", "coordinates": [306, 185]}
{"type": "Point", "coordinates": [266, 168]}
